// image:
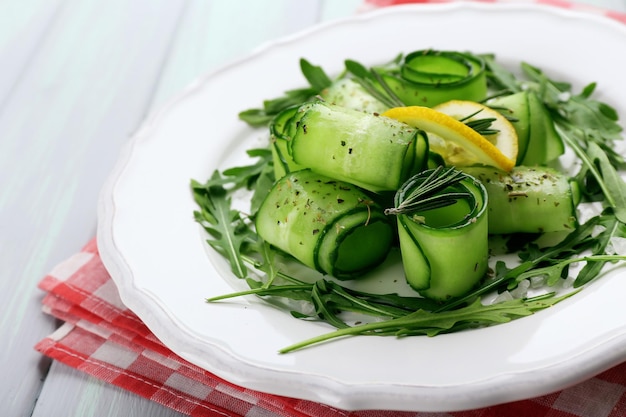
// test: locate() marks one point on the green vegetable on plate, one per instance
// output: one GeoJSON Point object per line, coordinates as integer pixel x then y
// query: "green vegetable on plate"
{"type": "Point", "coordinates": [341, 187]}
{"type": "Point", "coordinates": [329, 225]}
{"type": "Point", "coordinates": [443, 228]}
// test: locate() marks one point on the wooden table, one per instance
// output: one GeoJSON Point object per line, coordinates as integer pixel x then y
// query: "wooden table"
{"type": "Point", "coordinates": [77, 77]}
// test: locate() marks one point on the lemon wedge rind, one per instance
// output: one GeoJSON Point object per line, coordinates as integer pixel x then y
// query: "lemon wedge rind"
{"type": "Point", "coordinates": [460, 145]}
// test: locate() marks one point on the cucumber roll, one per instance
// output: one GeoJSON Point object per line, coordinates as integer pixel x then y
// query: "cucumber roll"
{"type": "Point", "coordinates": [528, 199]}
{"type": "Point", "coordinates": [442, 228]}
{"type": "Point", "coordinates": [348, 93]}
{"type": "Point", "coordinates": [329, 225]}
{"type": "Point", "coordinates": [430, 77]}
{"type": "Point", "coordinates": [373, 152]}
{"type": "Point", "coordinates": [280, 136]}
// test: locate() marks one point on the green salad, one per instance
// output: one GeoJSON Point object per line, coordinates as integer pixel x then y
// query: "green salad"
{"type": "Point", "coordinates": [439, 162]}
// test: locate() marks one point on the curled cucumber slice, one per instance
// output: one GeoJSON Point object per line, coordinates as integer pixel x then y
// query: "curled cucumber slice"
{"type": "Point", "coordinates": [280, 137]}
{"type": "Point", "coordinates": [445, 249]}
{"type": "Point", "coordinates": [328, 225]}
{"type": "Point", "coordinates": [373, 152]}
{"type": "Point", "coordinates": [430, 77]}
{"type": "Point", "coordinates": [538, 141]}
{"type": "Point", "coordinates": [528, 199]}
{"type": "Point", "coordinates": [346, 92]}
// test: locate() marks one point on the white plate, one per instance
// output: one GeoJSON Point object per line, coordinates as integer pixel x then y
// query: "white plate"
{"type": "Point", "coordinates": [154, 251]}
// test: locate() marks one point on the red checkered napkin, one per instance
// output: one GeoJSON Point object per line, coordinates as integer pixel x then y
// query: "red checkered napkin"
{"type": "Point", "coordinates": [621, 17]}
{"type": "Point", "coordinates": [103, 338]}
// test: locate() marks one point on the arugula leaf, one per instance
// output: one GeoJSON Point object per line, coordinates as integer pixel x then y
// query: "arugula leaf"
{"type": "Point", "coordinates": [607, 178]}
{"type": "Point", "coordinates": [423, 322]}
{"type": "Point", "coordinates": [612, 228]}
{"type": "Point", "coordinates": [227, 228]}
{"type": "Point", "coordinates": [373, 83]}
{"type": "Point", "coordinates": [579, 109]}
{"type": "Point", "coordinates": [291, 98]}
{"type": "Point", "coordinates": [291, 291]}
{"type": "Point", "coordinates": [532, 257]}
{"type": "Point", "coordinates": [318, 81]}
{"type": "Point", "coordinates": [268, 265]}
{"type": "Point", "coordinates": [589, 127]}
{"type": "Point", "coordinates": [504, 276]}
{"type": "Point", "coordinates": [315, 75]}
{"type": "Point", "coordinates": [263, 184]}
{"type": "Point", "coordinates": [342, 299]}
{"type": "Point", "coordinates": [499, 77]}
{"type": "Point", "coordinates": [246, 175]}
{"type": "Point", "coordinates": [259, 117]}
{"type": "Point", "coordinates": [359, 70]}
{"type": "Point", "coordinates": [614, 184]}
{"type": "Point", "coordinates": [231, 234]}
{"type": "Point", "coordinates": [586, 120]}
{"type": "Point", "coordinates": [322, 299]}
{"type": "Point", "coordinates": [256, 117]}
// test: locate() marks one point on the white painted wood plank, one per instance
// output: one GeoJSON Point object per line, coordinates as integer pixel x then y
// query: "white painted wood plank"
{"type": "Point", "coordinates": [85, 396]}
{"type": "Point", "coordinates": [24, 24]}
{"type": "Point", "coordinates": [85, 89]}
{"type": "Point", "coordinates": [333, 9]}
{"type": "Point", "coordinates": [217, 32]}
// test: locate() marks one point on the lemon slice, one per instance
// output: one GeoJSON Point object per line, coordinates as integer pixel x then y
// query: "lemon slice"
{"type": "Point", "coordinates": [456, 142]}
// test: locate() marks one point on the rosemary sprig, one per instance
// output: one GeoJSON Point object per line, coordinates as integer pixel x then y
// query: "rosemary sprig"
{"type": "Point", "coordinates": [430, 192]}
{"type": "Point", "coordinates": [481, 126]}
{"type": "Point", "coordinates": [372, 82]}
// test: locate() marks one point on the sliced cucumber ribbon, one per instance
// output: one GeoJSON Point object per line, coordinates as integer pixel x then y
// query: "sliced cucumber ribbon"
{"type": "Point", "coordinates": [528, 199]}
{"type": "Point", "coordinates": [538, 141]}
{"type": "Point", "coordinates": [280, 137]}
{"type": "Point", "coordinates": [445, 249]}
{"type": "Point", "coordinates": [430, 77]}
{"type": "Point", "coordinates": [346, 92]}
{"type": "Point", "coordinates": [373, 152]}
{"type": "Point", "coordinates": [329, 225]}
